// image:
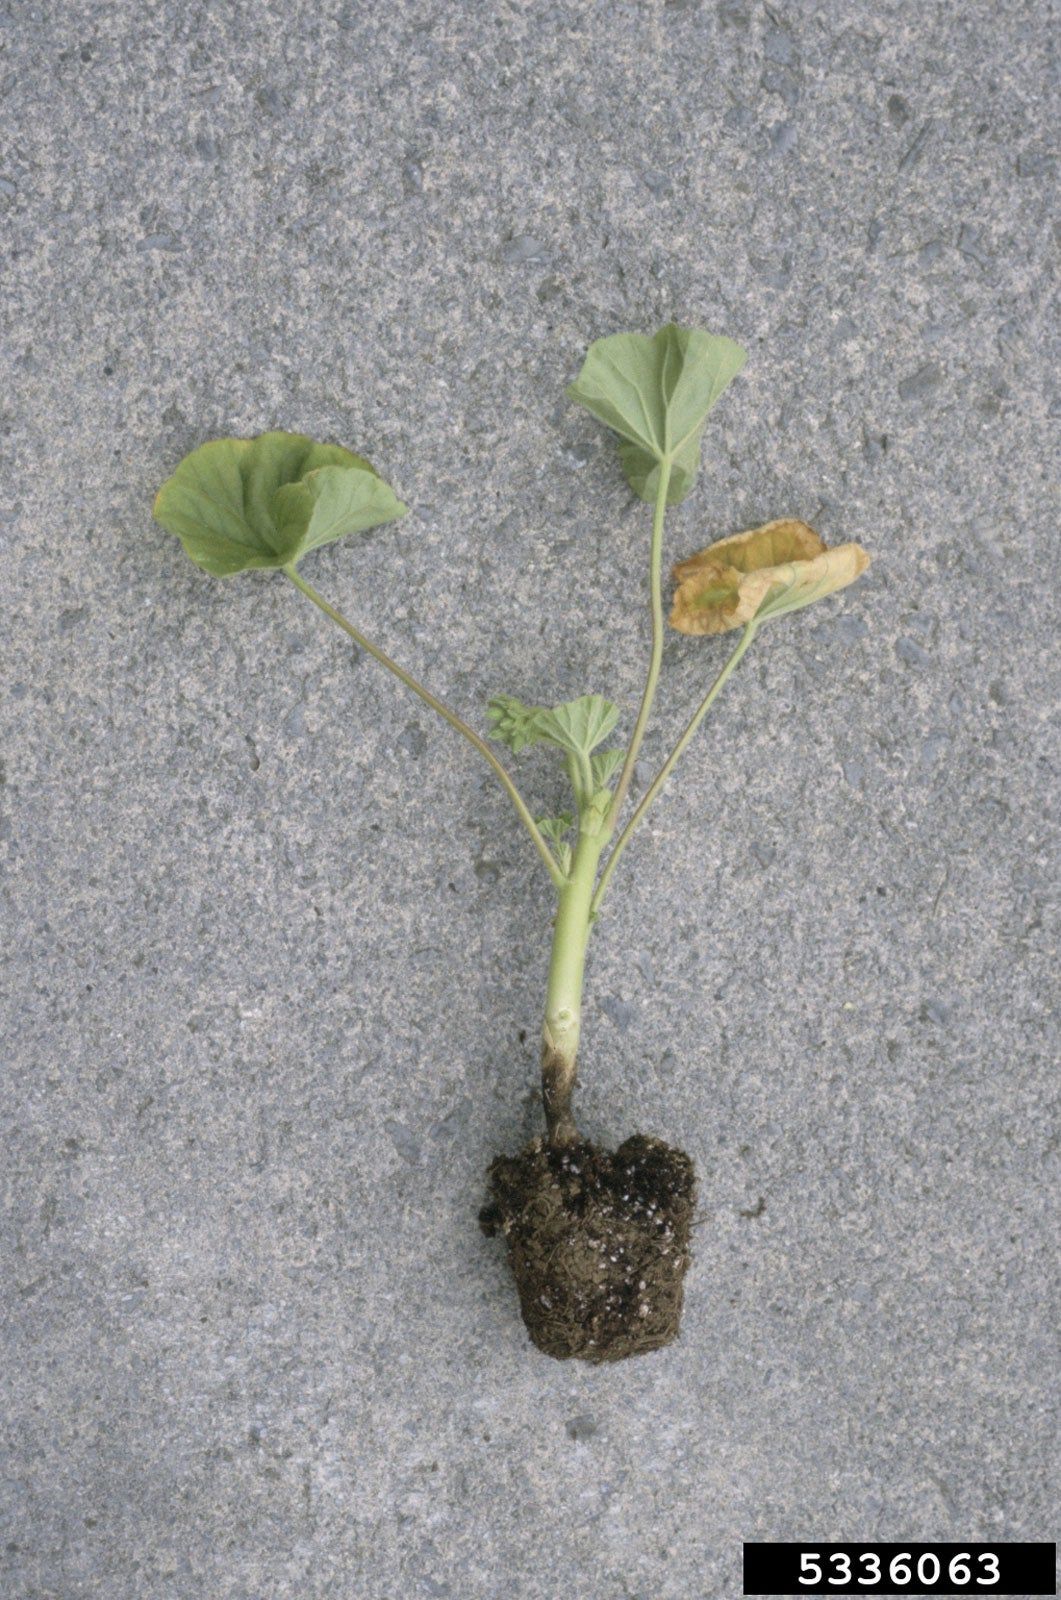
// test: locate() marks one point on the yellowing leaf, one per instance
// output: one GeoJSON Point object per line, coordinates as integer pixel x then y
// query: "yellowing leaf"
{"type": "Point", "coordinates": [709, 601]}
{"type": "Point", "coordinates": [797, 584]}
{"type": "Point", "coordinates": [775, 542]}
{"type": "Point", "coordinates": [763, 573]}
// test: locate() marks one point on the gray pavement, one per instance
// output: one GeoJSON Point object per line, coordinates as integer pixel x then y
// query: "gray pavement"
{"type": "Point", "coordinates": [273, 949]}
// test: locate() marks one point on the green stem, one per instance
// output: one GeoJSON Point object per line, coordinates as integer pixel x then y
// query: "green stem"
{"type": "Point", "coordinates": [563, 1000]}
{"type": "Point", "coordinates": [574, 777]}
{"type": "Point", "coordinates": [585, 776]}
{"type": "Point", "coordinates": [668, 766]}
{"type": "Point", "coordinates": [445, 713]}
{"type": "Point", "coordinates": [656, 602]}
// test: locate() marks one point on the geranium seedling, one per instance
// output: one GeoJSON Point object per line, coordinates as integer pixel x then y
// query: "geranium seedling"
{"type": "Point", "coordinates": [598, 1239]}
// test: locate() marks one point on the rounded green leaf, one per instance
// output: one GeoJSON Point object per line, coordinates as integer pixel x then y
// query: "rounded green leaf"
{"type": "Point", "coordinates": [579, 726]}
{"type": "Point", "coordinates": [655, 393]}
{"type": "Point", "coordinates": [240, 503]}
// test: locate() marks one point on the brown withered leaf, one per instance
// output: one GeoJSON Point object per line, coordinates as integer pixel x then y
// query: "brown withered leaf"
{"type": "Point", "coordinates": [709, 600]}
{"type": "Point", "coordinates": [784, 540]}
{"type": "Point", "coordinates": [759, 574]}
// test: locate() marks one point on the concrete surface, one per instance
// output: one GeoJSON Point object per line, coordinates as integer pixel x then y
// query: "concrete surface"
{"type": "Point", "coordinates": [273, 950]}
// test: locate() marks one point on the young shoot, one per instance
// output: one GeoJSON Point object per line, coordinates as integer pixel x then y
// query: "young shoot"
{"type": "Point", "coordinates": [268, 502]}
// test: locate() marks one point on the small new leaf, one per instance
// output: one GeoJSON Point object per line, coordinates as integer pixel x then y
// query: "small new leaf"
{"type": "Point", "coordinates": [594, 811]}
{"type": "Point", "coordinates": [554, 828]}
{"type": "Point", "coordinates": [604, 765]}
{"type": "Point", "coordinates": [655, 393]}
{"type": "Point", "coordinates": [513, 723]}
{"type": "Point", "coordinates": [236, 504]}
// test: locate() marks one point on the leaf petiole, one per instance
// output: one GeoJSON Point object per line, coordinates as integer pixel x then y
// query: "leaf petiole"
{"type": "Point", "coordinates": [668, 766]}
{"type": "Point", "coordinates": [445, 712]}
{"type": "Point", "coordinates": [656, 658]}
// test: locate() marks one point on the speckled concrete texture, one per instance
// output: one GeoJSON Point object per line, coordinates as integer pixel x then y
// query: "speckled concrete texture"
{"type": "Point", "coordinates": [273, 949]}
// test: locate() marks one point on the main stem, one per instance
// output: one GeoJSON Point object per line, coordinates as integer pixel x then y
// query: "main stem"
{"type": "Point", "coordinates": [655, 580]}
{"type": "Point", "coordinates": [579, 892]}
{"type": "Point", "coordinates": [445, 712]}
{"type": "Point", "coordinates": [563, 1000]}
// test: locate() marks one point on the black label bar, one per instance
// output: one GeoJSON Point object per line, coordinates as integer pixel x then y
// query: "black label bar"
{"type": "Point", "coordinates": [954, 1569]}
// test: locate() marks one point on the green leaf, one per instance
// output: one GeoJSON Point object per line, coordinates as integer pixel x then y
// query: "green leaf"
{"type": "Point", "coordinates": [513, 723]}
{"type": "Point", "coordinates": [554, 828]}
{"type": "Point", "coordinates": [240, 503]}
{"type": "Point", "coordinates": [655, 393]}
{"type": "Point", "coordinates": [642, 470]}
{"type": "Point", "coordinates": [604, 765]}
{"type": "Point", "coordinates": [578, 726]}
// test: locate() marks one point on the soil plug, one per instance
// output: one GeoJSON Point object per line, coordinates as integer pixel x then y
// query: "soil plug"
{"type": "Point", "coordinates": [598, 1239]}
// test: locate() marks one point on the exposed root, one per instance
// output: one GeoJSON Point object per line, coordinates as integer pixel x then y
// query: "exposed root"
{"type": "Point", "coordinates": [598, 1241]}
